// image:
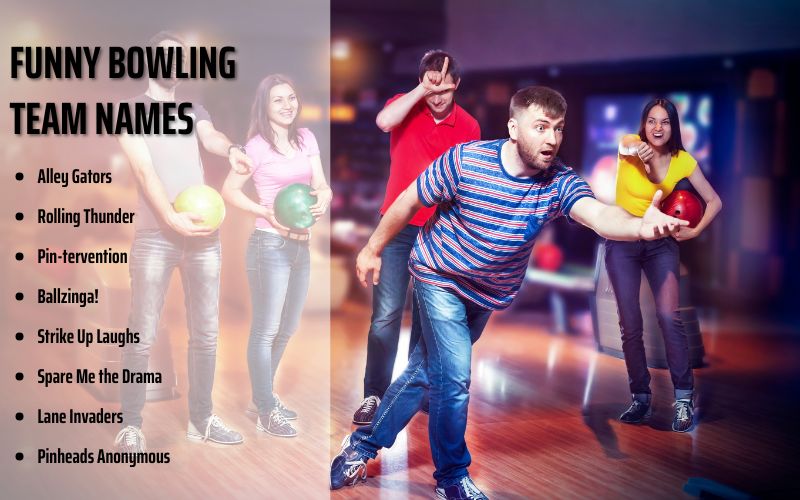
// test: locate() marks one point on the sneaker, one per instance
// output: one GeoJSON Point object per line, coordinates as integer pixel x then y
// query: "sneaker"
{"type": "Point", "coordinates": [365, 412]}
{"type": "Point", "coordinates": [638, 412]}
{"type": "Point", "coordinates": [130, 439]}
{"type": "Point", "coordinates": [215, 431]}
{"type": "Point", "coordinates": [684, 415]}
{"type": "Point", "coordinates": [349, 467]}
{"type": "Point", "coordinates": [464, 489]}
{"type": "Point", "coordinates": [277, 424]}
{"type": "Point", "coordinates": [286, 412]}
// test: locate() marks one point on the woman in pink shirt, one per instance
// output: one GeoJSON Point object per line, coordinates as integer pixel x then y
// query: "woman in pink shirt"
{"type": "Point", "coordinates": [277, 257]}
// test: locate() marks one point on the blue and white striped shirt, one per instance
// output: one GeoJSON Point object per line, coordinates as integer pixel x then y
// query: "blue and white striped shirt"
{"type": "Point", "coordinates": [479, 240]}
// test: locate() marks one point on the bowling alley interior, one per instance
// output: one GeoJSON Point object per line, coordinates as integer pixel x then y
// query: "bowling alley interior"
{"type": "Point", "coordinates": [548, 378]}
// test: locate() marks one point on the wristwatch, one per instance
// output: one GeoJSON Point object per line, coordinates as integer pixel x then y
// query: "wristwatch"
{"type": "Point", "coordinates": [237, 146]}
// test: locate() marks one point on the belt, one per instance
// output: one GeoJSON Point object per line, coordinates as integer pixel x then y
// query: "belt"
{"type": "Point", "coordinates": [293, 235]}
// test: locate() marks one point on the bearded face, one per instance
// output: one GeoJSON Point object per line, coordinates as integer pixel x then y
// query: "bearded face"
{"type": "Point", "coordinates": [538, 136]}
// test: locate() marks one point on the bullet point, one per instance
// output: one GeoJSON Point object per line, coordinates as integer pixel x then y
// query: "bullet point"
{"type": "Point", "coordinates": [20, 336]}
{"type": "Point", "coordinates": [20, 376]}
{"type": "Point", "coordinates": [20, 216]}
{"type": "Point", "coordinates": [19, 176]}
{"type": "Point", "coordinates": [20, 256]}
{"type": "Point", "coordinates": [19, 296]}
{"type": "Point", "coordinates": [19, 415]}
{"type": "Point", "coordinates": [19, 456]}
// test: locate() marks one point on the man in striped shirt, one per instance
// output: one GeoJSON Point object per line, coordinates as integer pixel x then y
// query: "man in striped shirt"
{"type": "Point", "coordinates": [493, 198]}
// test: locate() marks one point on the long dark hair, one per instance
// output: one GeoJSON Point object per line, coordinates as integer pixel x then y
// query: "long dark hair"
{"type": "Point", "coordinates": [674, 144]}
{"type": "Point", "coordinates": [259, 121]}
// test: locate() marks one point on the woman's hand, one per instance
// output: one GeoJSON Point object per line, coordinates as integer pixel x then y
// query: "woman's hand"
{"type": "Point", "coordinates": [645, 153]}
{"type": "Point", "coordinates": [269, 214]}
{"type": "Point", "coordinates": [686, 233]}
{"type": "Point", "coordinates": [324, 196]}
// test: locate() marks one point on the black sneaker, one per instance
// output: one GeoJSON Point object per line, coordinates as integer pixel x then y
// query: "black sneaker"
{"type": "Point", "coordinates": [684, 415]}
{"type": "Point", "coordinates": [638, 412]}
{"type": "Point", "coordinates": [130, 439]}
{"type": "Point", "coordinates": [215, 431]}
{"type": "Point", "coordinates": [277, 425]}
{"type": "Point", "coordinates": [349, 467]}
{"type": "Point", "coordinates": [365, 412]}
{"type": "Point", "coordinates": [464, 489]}
{"type": "Point", "coordinates": [286, 412]}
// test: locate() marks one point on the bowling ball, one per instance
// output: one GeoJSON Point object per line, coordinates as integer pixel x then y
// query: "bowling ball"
{"type": "Point", "coordinates": [683, 205]}
{"type": "Point", "coordinates": [547, 256]}
{"type": "Point", "coordinates": [204, 201]}
{"type": "Point", "coordinates": [292, 206]}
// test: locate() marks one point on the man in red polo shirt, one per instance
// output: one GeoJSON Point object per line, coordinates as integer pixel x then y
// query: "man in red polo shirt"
{"type": "Point", "coordinates": [424, 123]}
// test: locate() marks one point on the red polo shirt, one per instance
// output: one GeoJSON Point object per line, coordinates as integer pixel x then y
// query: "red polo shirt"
{"type": "Point", "coordinates": [415, 143]}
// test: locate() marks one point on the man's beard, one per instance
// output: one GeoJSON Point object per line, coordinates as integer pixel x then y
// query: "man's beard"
{"type": "Point", "coordinates": [529, 158]}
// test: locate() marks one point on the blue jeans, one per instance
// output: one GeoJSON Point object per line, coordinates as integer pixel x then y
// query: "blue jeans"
{"type": "Point", "coordinates": [441, 364]}
{"type": "Point", "coordinates": [278, 271]}
{"type": "Point", "coordinates": [659, 259]}
{"type": "Point", "coordinates": [388, 302]}
{"type": "Point", "coordinates": [154, 255]}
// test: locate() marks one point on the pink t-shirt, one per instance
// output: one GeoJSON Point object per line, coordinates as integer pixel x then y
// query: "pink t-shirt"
{"type": "Point", "coordinates": [273, 171]}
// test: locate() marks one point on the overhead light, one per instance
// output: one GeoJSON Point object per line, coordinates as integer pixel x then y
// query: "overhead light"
{"type": "Point", "coordinates": [340, 49]}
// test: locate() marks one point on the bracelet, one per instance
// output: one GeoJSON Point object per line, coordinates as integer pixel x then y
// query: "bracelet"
{"type": "Point", "coordinates": [237, 146]}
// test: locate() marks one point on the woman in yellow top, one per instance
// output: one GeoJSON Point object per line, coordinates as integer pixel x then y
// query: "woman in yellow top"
{"type": "Point", "coordinates": [650, 161]}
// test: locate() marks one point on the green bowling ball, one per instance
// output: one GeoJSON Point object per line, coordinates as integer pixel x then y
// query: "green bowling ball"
{"type": "Point", "coordinates": [292, 206]}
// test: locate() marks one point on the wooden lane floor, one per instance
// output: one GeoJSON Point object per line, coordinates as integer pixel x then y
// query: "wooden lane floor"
{"type": "Point", "coordinates": [543, 417]}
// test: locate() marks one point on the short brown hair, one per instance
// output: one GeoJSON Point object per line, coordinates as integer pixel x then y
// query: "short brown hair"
{"type": "Point", "coordinates": [551, 102]}
{"type": "Point", "coordinates": [433, 60]}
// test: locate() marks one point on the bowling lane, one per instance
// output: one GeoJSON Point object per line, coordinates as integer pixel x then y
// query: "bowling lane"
{"type": "Point", "coordinates": [543, 415]}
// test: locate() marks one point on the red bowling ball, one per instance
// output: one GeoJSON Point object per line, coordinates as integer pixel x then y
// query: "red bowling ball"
{"type": "Point", "coordinates": [683, 205]}
{"type": "Point", "coordinates": [547, 256]}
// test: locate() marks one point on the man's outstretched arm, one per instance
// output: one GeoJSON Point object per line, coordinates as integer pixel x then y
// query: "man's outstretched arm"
{"type": "Point", "coordinates": [614, 223]}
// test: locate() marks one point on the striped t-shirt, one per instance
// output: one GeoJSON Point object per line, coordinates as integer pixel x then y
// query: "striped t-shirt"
{"type": "Point", "coordinates": [479, 240]}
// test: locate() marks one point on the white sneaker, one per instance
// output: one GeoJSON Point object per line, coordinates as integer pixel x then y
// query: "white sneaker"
{"type": "Point", "coordinates": [130, 439]}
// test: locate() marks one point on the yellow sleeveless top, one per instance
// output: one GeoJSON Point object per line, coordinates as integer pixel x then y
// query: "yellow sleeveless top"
{"type": "Point", "coordinates": [634, 189]}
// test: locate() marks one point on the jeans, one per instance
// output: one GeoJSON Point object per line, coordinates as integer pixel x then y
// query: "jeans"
{"type": "Point", "coordinates": [659, 259]}
{"type": "Point", "coordinates": [154, 255]}
{"type": "Point", "coordinates": [440, 364]}
{"type": "Point", "coordinates": [388, 301]}
{"type": "Point", "coordinates": [278, 271]}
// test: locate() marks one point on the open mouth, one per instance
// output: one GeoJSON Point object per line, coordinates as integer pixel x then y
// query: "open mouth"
{"type": "Point", "coordinates": [658, 135]}
{"type": "Point", "coordinates": [548, 154]}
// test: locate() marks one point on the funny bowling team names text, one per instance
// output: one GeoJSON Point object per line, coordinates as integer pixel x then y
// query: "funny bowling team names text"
{"type": "Point", "coordinates": [68, 265]}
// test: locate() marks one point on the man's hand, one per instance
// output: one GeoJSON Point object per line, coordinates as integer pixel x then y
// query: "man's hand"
{"type": "Point", "coordinates": [656, 224]}
{"type": "Point", "coordinates": [188, 224]}
{"type": "Point", "coordinates": [368, 261]}
{"type": "Point", "coordinates": [434, 81]}
{"type": "Point", "coordinates": [324, 196]}
{"type": "Point", "coordinates": [240, 162]}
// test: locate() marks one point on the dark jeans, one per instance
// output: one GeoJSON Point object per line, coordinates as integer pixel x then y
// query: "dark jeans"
{"type": "Point", "coordinates": [441, 364]}
{"type": "Point", "coordinates": [388, 302]}
{"type": "Point", "coordinates": [154, 255]}
{"type": "Point", "coordinates": [278, 272]}
{"type": "Point", "coordinates": [659, 259]}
